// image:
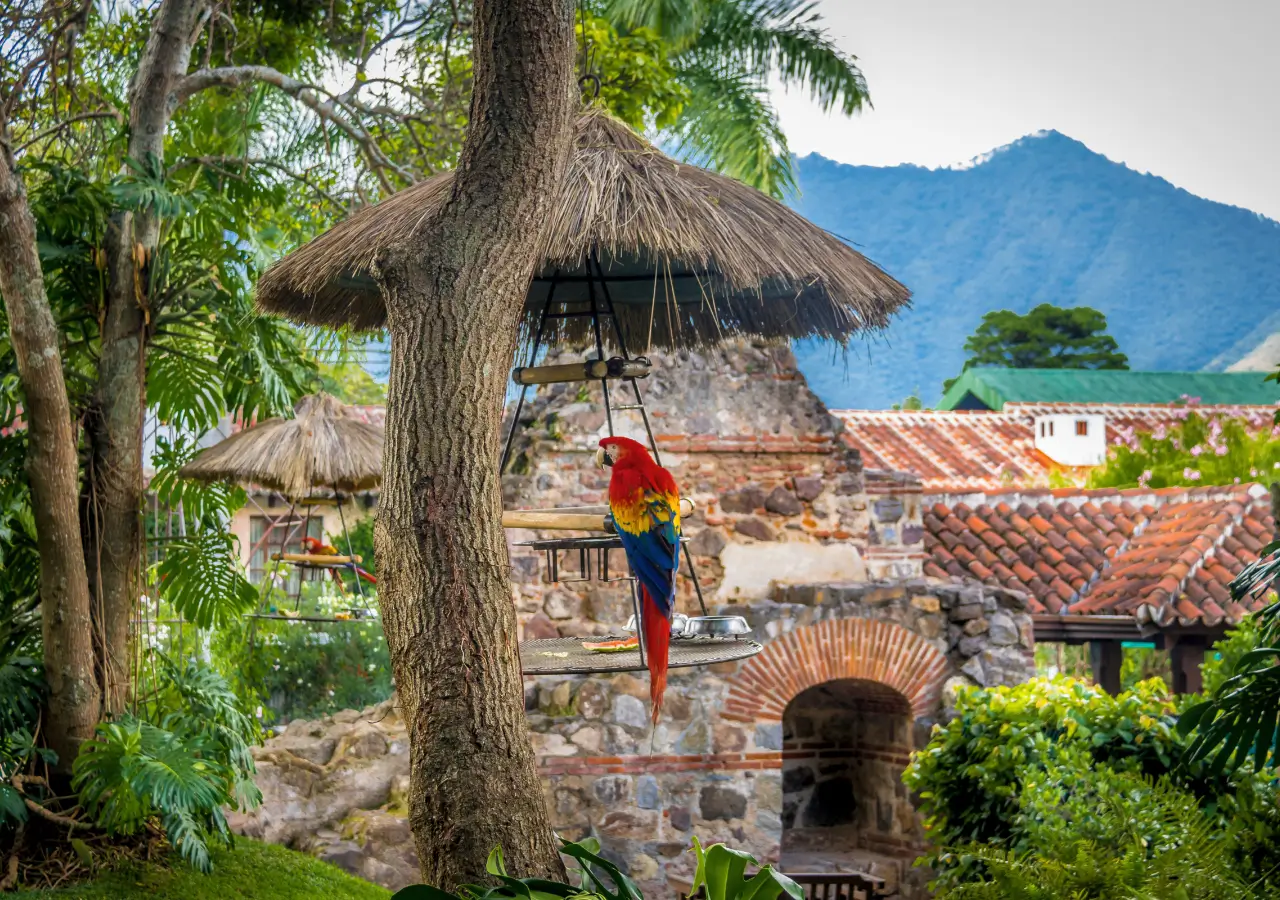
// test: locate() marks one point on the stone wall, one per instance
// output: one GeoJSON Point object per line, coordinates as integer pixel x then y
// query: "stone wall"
{"type": "Point", "coordinates": [715, 766]}
{"type": "Point", "coordinates": [780, 497]}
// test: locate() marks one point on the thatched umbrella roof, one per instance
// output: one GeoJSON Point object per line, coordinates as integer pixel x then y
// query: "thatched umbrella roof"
{"type": "Point", "coordinates": [688, 256]}
{"type": "Point", "coordinates": [324, 447]}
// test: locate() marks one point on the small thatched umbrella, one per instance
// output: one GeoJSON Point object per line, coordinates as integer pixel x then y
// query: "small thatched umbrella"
{"type": "Point", "coordinates": [324, 447]}
{"type": "Point", "coordinates": [686, 255]}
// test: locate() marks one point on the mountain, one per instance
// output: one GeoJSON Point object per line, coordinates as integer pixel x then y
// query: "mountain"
{"type": "Point", "coordinates": [1185, 283]}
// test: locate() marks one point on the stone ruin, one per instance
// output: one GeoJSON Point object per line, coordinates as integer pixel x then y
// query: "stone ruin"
{"type": "Point", "coordinates": [794, 755]}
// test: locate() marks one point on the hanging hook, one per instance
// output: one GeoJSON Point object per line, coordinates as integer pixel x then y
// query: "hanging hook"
{"type": "Point", "coordinates": [595, 83]}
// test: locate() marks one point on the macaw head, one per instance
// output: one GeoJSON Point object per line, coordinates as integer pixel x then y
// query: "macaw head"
{"type": "Point", "coordinates": [620, 451]}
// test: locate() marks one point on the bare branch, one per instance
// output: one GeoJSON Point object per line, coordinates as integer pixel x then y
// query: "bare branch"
{"type": "Point", "coordinates": [112, 113]}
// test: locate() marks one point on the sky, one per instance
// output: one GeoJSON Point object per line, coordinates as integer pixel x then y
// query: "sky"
{"type": "Point", "coordinates": [1184, 90]}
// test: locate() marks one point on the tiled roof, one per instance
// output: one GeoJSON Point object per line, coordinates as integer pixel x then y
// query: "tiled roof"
{"type": "Point", "coordinates": [980, 450]}
{"type": "Point", "coordinates": [1163, 556]}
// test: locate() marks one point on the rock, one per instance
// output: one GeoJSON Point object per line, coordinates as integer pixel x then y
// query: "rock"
{"type": "Point", "coordinates": [768, 820]}
{"type": "Point", "coordinates": [769, 735]}
{"type": "Point", "coordinates": [539, 627]}
{"type": "Point", "coordinates": [754, 528]}
{"type": "Point", "coordinates": [556, 700]}
{"type": "Point", "coordinates": [588, 739]}
{"type": "Point", "coordinates": [1003, 631]}
{"type": "Point", "coordinates": [629, 823]}
{"type": "Point", "coordinates": [808, 489]}
{"type": "Point", "coordinates": [975, 627]}
{"type": "Point", "coordinates": [970, 646]}
{"type": "Point", "coordinates": [370, 744]}
{"type": "Point", "coordinates": [630, 685]}
{"type": "Point", "coordinates": [613, 788]}
{"type": "Point", "coordinates": [593, 699]}
{"type": "Point", "coordinates": [676, 707]}
{"type": "Point", "coordinates": [745, 500]}
{"type": "Point", "coordinates": [717, 801]}
{"type": "Point", "coordinates": [926, 603]}
{"type": "Point", "coordinates": [630, 711]}
{"type": "Point", "coordinates": [887, 509]}
{"type": "Point", "coordinates": [728, 737]}
{"type": "Point", "coordinates": [647, 792]}
{"type": "Point", "coordinates": [524, 569]}
{"type": "Point", "coordinates": [912, 534]}
{"type": "Point", "coordinates": [346, 855]}
{"type": "Point", "coordinates": [563, 605]}
{"type": "Point", "coordinates": [694, 739]}
{"type": "Point", "coordinates": [769, 791]}
{"type": "Point", "coordinates": [966, 611]}
{"type": "Point", "coordinates": [680, 818]}
{"type": "Point", "coordinates": [796, 778]}
{"type": "Point", "coordinates": [973, 668]}
{"type": "Point", "coordinates": [783, 503]}
{"type": "Point", "coordinates": [708, 542]}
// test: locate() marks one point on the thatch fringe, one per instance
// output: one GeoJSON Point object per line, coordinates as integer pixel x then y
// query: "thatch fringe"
{"type": "Point", "coordinates": [689, 256]}
{"type": "Point", "coordinates": [323, 448]}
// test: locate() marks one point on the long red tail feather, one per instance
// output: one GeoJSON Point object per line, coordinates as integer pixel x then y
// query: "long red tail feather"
{"type": "Point", "coordinates": [657, 641]}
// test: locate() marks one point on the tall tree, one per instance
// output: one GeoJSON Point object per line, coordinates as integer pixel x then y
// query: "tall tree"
{"type": "Point", "coordinates": [1048, 337]}
{"type": "Point", "coordinates": [453, 317]}
{"type": "Point", "coordinates": [39, 40]}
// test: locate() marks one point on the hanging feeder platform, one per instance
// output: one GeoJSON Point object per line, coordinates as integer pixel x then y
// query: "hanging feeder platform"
{"type": "Point", "coordinates": [567, 656]}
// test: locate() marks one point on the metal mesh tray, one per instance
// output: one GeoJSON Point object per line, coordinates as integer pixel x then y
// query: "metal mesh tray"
{"type": "Point", "coordinates": [567, 656]}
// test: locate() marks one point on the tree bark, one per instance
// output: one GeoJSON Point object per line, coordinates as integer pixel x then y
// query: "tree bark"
{"type": "Point", "coordinates": [53, 471]}
{"type": "Point", "coordinates": [115, 422]}
{"type": "Point", "coordinates": [454, 296]}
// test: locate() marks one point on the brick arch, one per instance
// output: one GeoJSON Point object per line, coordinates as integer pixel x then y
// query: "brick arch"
{"type": "Point", "coordinates": [836, 648]}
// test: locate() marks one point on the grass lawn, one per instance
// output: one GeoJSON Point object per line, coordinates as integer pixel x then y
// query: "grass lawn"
{"type": "Point", "coordinates": [251, 871]}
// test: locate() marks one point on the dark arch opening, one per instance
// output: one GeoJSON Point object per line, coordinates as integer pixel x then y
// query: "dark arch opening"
{"type": "Point", "coordinates": [844, 806]}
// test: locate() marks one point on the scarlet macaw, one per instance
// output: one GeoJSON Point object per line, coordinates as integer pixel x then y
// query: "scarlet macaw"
{"type": "Point", "coordinates": [645, 504]}
{"type": "Point", "coordinates": [317, 548]}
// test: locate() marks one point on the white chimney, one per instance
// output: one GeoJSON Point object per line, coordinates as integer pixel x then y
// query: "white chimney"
{"type": "Point", "coordinates": [1072, 439]}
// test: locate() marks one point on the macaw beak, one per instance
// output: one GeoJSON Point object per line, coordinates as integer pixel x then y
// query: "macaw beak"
{"type": "Point", "coordinates": [602, 459]}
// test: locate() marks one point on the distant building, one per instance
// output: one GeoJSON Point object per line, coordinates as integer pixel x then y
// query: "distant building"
{"type": "Point", "coordinates": [991, 388]}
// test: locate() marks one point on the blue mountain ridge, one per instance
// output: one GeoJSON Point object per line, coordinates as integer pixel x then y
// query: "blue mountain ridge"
{"type": "Point", "coordinates": [1185, 282]}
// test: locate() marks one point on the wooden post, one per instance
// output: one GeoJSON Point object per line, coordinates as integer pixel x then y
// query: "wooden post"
{"type": "Point", "coordinates": [1187, 655]}
{"type": "Point", "coordinates": [1106, 657]}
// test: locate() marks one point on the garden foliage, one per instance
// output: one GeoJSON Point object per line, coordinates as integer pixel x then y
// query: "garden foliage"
{"type": "Point", "coordinates": [182, 759]}
{"type": "Point", "coordinates": [1003, 781]}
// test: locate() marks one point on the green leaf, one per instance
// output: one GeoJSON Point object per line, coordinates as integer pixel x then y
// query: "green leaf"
{"type": "Point", "coordinates": [201, 576]}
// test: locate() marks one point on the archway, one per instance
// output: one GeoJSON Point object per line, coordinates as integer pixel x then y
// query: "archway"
{"type": "Point", "coordinates": [844, 807]}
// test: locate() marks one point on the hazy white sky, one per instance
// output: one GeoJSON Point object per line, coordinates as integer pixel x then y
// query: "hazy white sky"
{"type": "Point", "coordinates": [1185, 90]}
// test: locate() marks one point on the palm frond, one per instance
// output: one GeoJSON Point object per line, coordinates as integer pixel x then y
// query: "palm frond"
{"type": "Point", "coordinates": [729, 126]}
{"type": "Point", "coordinates": [200, 575]}
{"type": "Point", "coordinates": [786, 38]}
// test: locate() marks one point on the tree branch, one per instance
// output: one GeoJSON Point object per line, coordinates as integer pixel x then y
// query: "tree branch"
{"type": "Point", "coordinates": [327, 108]}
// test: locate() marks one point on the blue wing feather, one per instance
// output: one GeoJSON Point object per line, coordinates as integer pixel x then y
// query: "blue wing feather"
{"type": "Point", "coordinates": [654, 554]}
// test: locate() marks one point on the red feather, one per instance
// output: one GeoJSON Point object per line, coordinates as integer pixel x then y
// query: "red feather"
{"type": "Point", "coordinates": [657, 641]}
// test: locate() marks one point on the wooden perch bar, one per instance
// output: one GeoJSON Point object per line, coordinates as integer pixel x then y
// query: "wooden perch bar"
{"type": "Point", "coordinates": [570, 518]}
{"type": "Point", "coordinates": [317, 559]}
{"type": "Point", "coordinates": [587, 370]}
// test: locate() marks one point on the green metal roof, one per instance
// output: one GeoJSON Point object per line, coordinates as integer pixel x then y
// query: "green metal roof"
{"type": "Point", "coordinates": [984, 388]}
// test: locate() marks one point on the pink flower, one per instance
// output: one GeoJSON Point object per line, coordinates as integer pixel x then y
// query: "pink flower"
{"type": "Point", "coordinates": [1197, 450]}
{"type": "Point", "coordinates": [1160, 432]}
{"type": "Point", "coordinates": [1144, 478]}
{"type": "Point", "coordinates": [1220, 450]}
{"type": "Point", "coordinates": [1190, 474]}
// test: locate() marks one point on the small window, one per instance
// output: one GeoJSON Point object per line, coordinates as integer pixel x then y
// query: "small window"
{"type": "Point", "coordinates": [1050, 429]}
{"type": "Point", "coordinates": [1082, 427]}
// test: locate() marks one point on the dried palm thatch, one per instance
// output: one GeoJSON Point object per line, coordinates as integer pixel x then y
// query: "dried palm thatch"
{"type": "Point", "coordinates": [324, 447]}
{"type": "Point", "coordinates": [687, 257]}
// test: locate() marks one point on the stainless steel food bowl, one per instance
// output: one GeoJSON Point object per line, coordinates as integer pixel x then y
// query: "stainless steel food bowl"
{"type": "Point", "coordinates": [678, 624]}
{"type": "Point", "coordinates": [716, 626]}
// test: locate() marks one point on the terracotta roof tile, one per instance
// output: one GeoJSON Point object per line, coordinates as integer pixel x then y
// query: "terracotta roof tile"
{"type": "Point", "coordinates": [1165, 555]}
{"type": "Point", "coordinates": [991, 451]}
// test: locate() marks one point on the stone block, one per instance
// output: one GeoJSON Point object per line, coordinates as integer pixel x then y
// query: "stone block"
{"type": "Point", "coordinates": [538, 627]}
{"type": "Point", "coordinates": [754, 528]}
{"type": "Point", "coordinates": [589, 738]}
{"type": "Point", "coordinates": [562, 605]}
{"type": "Point", "coordinates": [718, 801]}
{"type": "Point", "coordinates": [1003, 631]}
{"type": "Point", "coordinates": [970, 646]}
{"type": "Point", "coordinates": [631, 685]}
{"type": "Point", "coordinates": [630, 712]}
{"type": "Point", "coordinates": [647, 792]}
{"type": "Point", "coordinates": [744, 500]}
{"type": "Point", "coordinates": [769, 736]}
{"type": "Point", "coordinates": [926, 603]}
{"type": "Point", "coordinates": [708, 542]}
{"type": "Point", "coordinates": [796, 777]}
{"type": "Point", "coordinates": [631, 824]}
{"type": "Point", "coordinates": [887, 509]}
{"type": "Point", "coordinates": [680, 818]}
{"type": "Point", "coordinates": [966, 611]}
{"type": "Point", "coordinates": [783, 503]}
{"type": "Point", "coordinates": [556, 700]}
{"type": "Point", "coordinates": [912, 534]}
{"type": "Point", "coordinates": [975, 627]}
{"type": "Point", "coordinates": [694, 739]}
{"type": "Point", "coordinates": [728, 737]}
{"type": "Point", "coordinates": [613, 788]}
{"type": "Point", "coordinates": [593, 699]}
{"type": "Point", "coordinates": [808, 488]}
{"type": "Point", "coordinates": [973, 668]}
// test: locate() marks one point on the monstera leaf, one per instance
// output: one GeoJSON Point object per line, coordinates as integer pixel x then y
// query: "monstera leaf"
{"type": "Point", "coordinates": [721, 871]}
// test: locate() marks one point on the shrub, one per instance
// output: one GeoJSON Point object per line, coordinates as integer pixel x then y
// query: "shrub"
{"type": "Point", "coordinates": [182, 760]}
{"type": "Point", "coordinates": [1098, 833]}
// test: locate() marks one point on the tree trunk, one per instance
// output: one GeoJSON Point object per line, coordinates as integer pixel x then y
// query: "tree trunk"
{"type": "Point", "coordinates": [53, 471]}
{"type": "Point", "coordinates": [454, 297]}
{"type": "Point", "coordinates": [115, 423]}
